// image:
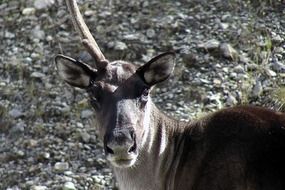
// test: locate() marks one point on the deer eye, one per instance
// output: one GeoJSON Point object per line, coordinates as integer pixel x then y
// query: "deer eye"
{"type": "Point", "coordinates": [95, 103]}
{"type": "Point", "coordinates": [144, 95]}
{"type": "Point", "coordinates": [94, 96]}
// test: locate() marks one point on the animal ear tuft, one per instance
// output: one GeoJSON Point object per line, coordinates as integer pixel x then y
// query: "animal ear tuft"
{"type": "Point", "coordinates": [158, 68]}
{"type": "Point", "coordinates": [75, 73]}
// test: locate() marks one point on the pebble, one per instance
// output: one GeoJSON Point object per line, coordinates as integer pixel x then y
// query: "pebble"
{"type": "Point", "coordinates": [224, 26]}
{"type": "Point", "coordinates": [32, 143]}
{"type": "Point", "coordinates": [46, 155]}
{"type": "Point", "coordinates": [217, 82]}
{"type": "Point", "coordinates": [28, 60]}
{"type": "Point", "coordinates": [132, 37]}
{"type": "Point", "coordinates": [270, 73]}
{"type": "Point", "coordinates": [239, 69]}
{"type": "Point", "coordinates": [29, 11]}
{"type": "Point", "coordinates": [278, 66]}
{"type": "Point", "coordinates": [39, 187]}
{"type": "Point", "coordinates": [37, 33]}
{"type": "Point", "coordinates": [231, 100]}
{"type": "Point", "coordinates": [43, 4]}
{"type": "Point", "coordinates": [19, 128]}
{"type": "Point", "coordinates": [89, 13]}
{"type": "Point", "coordinates": [9, 35]}
{"type": "Point", "coordinates": [228, 51]}
{"type": "Point", "coordinates": [85, 136]}
{"type": "Point", "coordinates": [87, 113]}
{"type": "Point", "coordinates": [38, 75]}
{"type": "Point", "coordinates": [210, 45]}
{"type": "Point", "coordinates": [120, 46]}
{"type": "Point", "coordinates": [257, 89]}
{"type": "Point", "coordinates": [68, 186]}
{"type": "Point", "coordinates": [244, 59]}
{"type": "Point", "coordinates": [16, 113]}
{"type": "Point", "coordinates": [277, 39]}
{"type": "Point", "coordinates": [49, 38]}
{"type": "Point", "coordinates": [19, 153]}
{"type": "Point", "coordinates": [61, 166]}
{"type": "Point", "coordinates": [150, 33]}
{"type": "Point", "coordinates": [68, 173]}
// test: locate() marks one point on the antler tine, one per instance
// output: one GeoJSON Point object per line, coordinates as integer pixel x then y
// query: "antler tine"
{"type": "Point", "coordinates": [86, 37]}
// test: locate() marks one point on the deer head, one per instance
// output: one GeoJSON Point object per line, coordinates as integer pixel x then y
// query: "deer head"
{"type": "Point", "coordinates": [118, 92]}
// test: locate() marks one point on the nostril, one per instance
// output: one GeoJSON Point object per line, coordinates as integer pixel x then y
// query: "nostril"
{"type": "Point", "coordinates": [109, 150]}
{"type": "Point", "coordinates": [132, 148]}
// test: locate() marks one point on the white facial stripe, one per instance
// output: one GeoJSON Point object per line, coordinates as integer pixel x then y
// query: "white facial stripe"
{"type": "Point", "coordinates": [126, 113]}
{"type": "Point", "coordinates": [146, 121]}
{"type": "Point", "coordinates": [163, 141]}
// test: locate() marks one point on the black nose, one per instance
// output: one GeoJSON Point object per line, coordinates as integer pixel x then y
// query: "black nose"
{"type": "Point", "coordinates": [121, 141]}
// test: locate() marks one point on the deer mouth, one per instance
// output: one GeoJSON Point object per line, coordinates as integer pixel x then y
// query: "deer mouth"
{"type": "Point", "coordinates": [123, 162]}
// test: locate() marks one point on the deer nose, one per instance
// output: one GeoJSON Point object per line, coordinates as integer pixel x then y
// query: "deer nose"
{"type": "Point", "coordinates": [121, 141]}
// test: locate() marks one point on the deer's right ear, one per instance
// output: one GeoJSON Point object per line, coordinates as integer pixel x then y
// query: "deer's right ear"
{"type": "Point", "coordinates": [74, 72]}
{"type": "Point", "coordinates": [158, 68]}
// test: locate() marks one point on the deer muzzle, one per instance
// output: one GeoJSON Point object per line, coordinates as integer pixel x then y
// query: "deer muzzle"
{"type": "Point", "coordinates": [121, 147]}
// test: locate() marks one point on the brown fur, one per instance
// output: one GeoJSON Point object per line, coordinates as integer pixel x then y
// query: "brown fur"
{"type": "Point", "coordinates": [235, 148]}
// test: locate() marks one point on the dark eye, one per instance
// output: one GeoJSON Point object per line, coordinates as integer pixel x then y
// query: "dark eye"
{"type": "Point", "coordinates": [144, 95]}
{"type": "Point", "coordinates": [94, 96]}
{"type": "Point", "coordinates": [95, 103]}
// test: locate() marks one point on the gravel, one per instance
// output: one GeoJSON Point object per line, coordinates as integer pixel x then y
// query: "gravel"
{"type": "Point", "coordinates": [227, 54]}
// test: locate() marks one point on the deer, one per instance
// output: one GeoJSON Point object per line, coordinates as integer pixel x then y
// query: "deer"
{"type": "Point", "coordinates": [236, 148]}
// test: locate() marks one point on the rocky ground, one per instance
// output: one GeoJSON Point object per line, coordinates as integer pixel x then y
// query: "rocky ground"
{"type": "Point", "coordinates": [228, 52]}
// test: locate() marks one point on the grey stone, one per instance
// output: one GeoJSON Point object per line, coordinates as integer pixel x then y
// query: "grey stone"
{"type": "Point", "coordinates": [61, 166]}
{"type": "Point", "coordinates": [210, 45]}
{"type": "Point", "coordinates": [132, 37]}
{"type": "Point", "coordinates": [39, 187]}
{"type": "Point", "coordinates": [16, 113]}
{"type": "Point", "coordinates": [277, 39]}
{"type": "Point", "coordinates": [85, 136]}
{"type": "Point", "coordinates": [257, 89]}
{"type": "Point", "coordinates": [19, 128]}
{"type": "Point", "coordinates": [38, 75]}
{"type": "Point", "coordinates": [270, 73]}
{"type": "Point", "coordinates": [150, 33]}
{"type": "Point", "coordinates": [43, 4]}
{"type": "Point", "coordinates": [224, 26]}
{"type": "Point", "coordinates": [9, 35]}
{"type": "Point", "coordinates": [231, 100]}
{"type": "Point", "coordinates": [38, 33]}
{"type": "Point", "coordinates": [120, 46]}
{"type": "Point", "coordinates": [278, 66]}
{"type": "Point", "coordinates": [89, 13]}
{"type": "Point", "coordinates": [86, 113]}
{"type": "Point", "coordinates": [228, 51]}
{"type": "Point", "coordinates": [239, 69]}
{"type": "Point", "coordinates": [244, 59]}
{"type": "Point", "coordinates": [28, 11]}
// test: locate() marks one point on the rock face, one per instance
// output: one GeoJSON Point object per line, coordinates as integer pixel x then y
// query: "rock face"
{"type": "Point", "coordinates": [227, 54]}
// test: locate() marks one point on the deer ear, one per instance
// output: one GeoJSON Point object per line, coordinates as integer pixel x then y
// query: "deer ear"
{"type": "Point", "coordinates": [74, 72]}
{"type": "Point", "coordinates": [158, 68]}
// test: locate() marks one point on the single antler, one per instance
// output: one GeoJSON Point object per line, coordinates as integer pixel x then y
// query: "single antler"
{"type": "Point", "coordinates": [86, 37]}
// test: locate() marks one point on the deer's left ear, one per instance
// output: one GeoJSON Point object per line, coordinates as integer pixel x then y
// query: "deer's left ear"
{"type": "Point", "coordinates": [158, 68]}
